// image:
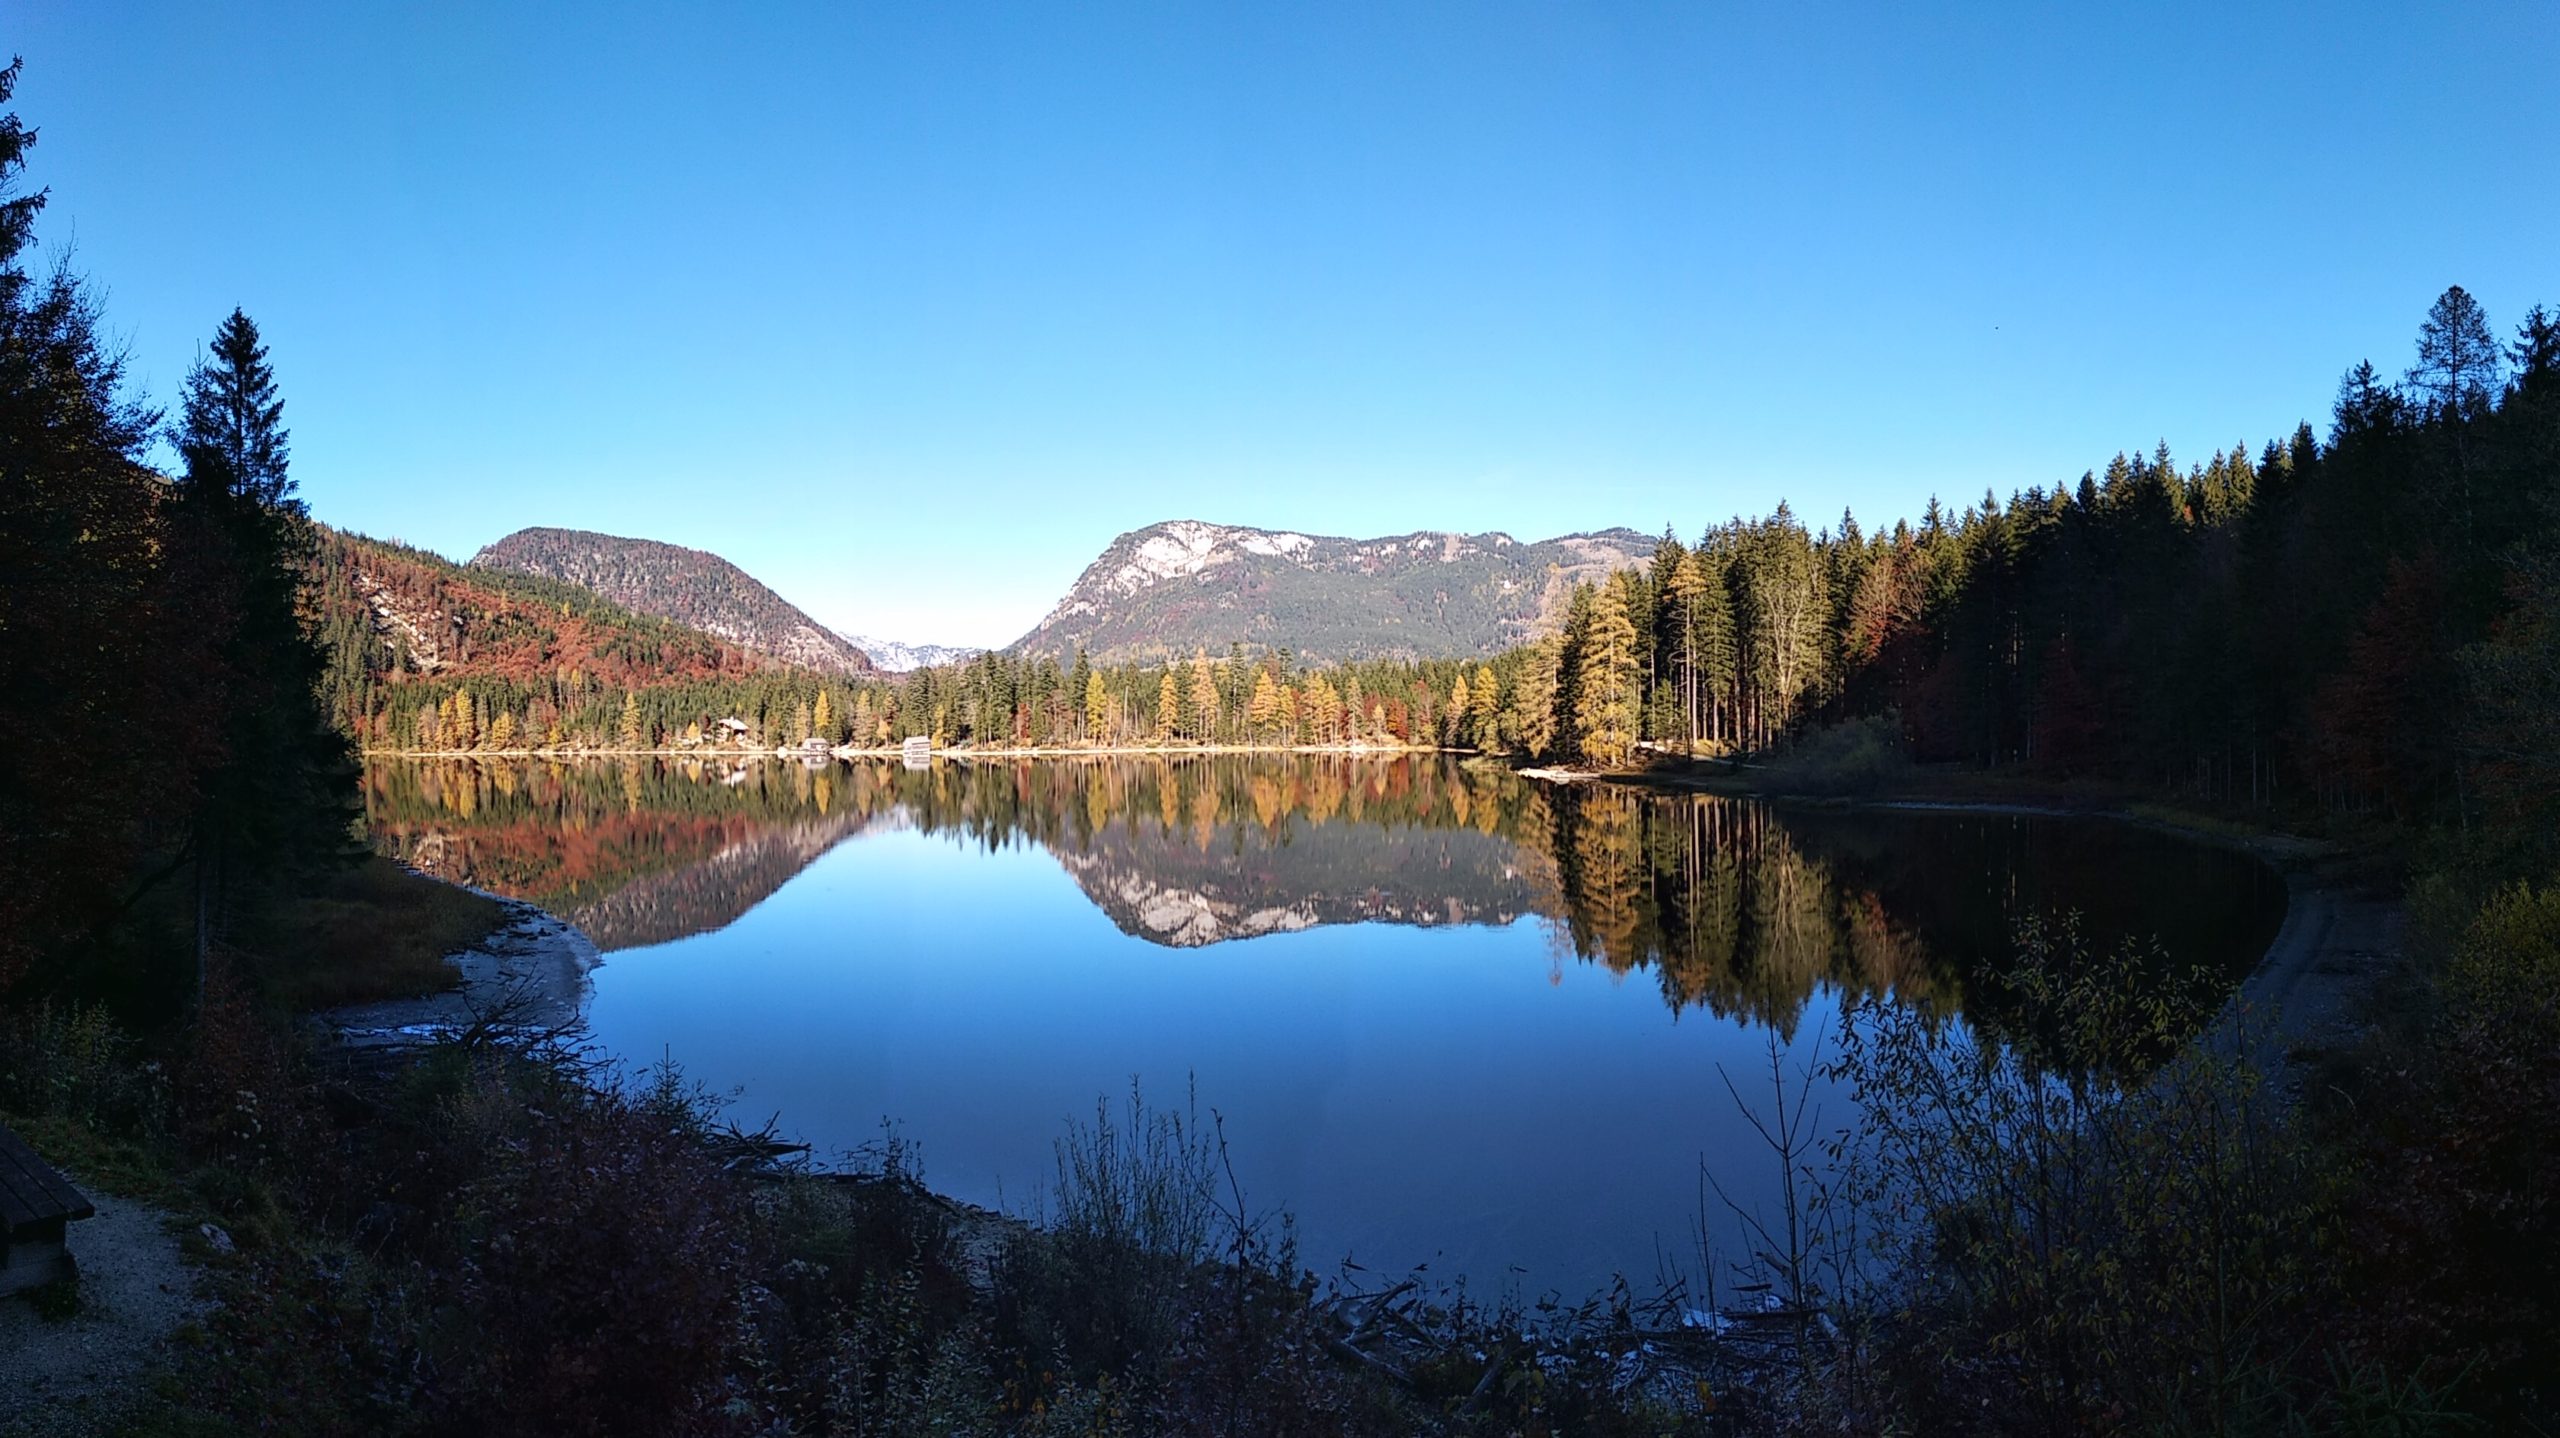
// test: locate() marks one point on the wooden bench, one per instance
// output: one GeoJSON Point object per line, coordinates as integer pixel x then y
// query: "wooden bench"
{"type": "Point", "coordinates": [36, 1204]}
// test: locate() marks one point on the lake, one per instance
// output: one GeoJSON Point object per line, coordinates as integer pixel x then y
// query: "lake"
{"type": "Point", "coordinates": [1445, 1014]}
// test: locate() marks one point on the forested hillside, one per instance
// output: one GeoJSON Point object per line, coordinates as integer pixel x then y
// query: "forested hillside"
{"type": "Point", "coordinates": [694, 588]}
{"type": "Point", "coordinates": [540, 661]}
{"type": "Point", "coordinates": [1170, 590]}
{"type": "Point", "coordinates": [2363, 620]}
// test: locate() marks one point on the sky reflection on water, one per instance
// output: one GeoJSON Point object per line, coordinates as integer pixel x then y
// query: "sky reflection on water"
{"type": "Point", "coordinates": [1477, 1025]}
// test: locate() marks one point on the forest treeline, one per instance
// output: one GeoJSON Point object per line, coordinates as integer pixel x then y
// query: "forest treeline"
{"type": "Point", "coordinates": [2358, 621]}
{"type": "Point", "coordinates": [631, 690]}
{"type": "Point", "coordinates": [169, 770]}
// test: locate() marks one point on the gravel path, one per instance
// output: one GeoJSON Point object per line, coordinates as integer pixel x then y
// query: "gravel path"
{"type": "Point", "coordinates": [69, 1376]}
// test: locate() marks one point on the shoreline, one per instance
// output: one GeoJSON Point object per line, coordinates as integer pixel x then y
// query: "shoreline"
{"type": "Point", "coordinates": [531, 972]}
{"type": "Point", "coordinates": [2341, 938]}
{"type": "Point", "coordinates": [850, 752]}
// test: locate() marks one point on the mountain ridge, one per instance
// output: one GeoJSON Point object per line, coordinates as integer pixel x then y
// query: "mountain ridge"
{"type": "Point", "coordinates": [394, 615]}
{"type": "Point", "coordinates": [892, 657]}
{"type": "Point", "coordinates": [692, 587]}
{"type": "Point", "coordinates": [1180, 585]}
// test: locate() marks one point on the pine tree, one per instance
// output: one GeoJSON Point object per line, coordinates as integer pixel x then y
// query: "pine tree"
{"type": "Point", "coordinates": [1684, 601]}
{"type": "Point", "coordinates": [1261, 712]}
{"type": "Point", "coordinates": [633, 736]}
{"type": "Point", "coordinates": [2536, 351]}
{"type": "Point", "coordinates": [281, 799]}
{"type": "Point", "coordinates": [822, 718]}
{"type": "Point", "coordinates": [502, 730]}
{"type": "Point", "coordinates": [1533, 699]}
{"type": "Point", "coordinates": [1606, 677]}
{"type": "Point", "coordinates": [1168, 706]}
{"type": "Point", "coordinates": [1204, 699]}
{"type": "Point", "coordinates": [2459, 359]}
{"type": "Point", "coordinates": [86, 666]}
{"type": "Point", "coordinates": [1097, 703]}
{"type": "Point", "coordinates": [1080, 683]}
{"type": "Point", "coordinates": [1324, 711]}
{"type": "Point", "coordinates": [1484, 719]}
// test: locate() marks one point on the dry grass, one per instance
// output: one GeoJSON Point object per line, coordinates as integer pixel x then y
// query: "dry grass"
{"type": "Point", "coordinates": [374, 932]}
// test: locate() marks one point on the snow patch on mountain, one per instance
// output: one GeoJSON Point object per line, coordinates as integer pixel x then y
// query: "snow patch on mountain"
{"type": "Point", "coordinates": [1186, 585]}
{"type": "Point", "coordinates": [897, 658]}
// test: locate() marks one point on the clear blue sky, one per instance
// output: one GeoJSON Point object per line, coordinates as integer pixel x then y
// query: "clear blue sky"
{"type": "Point", "coordinates": [910, 308]}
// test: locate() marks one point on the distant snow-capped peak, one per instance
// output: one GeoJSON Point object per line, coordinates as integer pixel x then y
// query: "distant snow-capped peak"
{"type": "Point", "coordinates": [899, 658]}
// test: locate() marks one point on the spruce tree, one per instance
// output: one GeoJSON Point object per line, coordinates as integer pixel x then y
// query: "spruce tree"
{"type": "Point", "coordinates": [2459, 360]}
{"type": "Point", "coordinates": [281, 799]}
{"type": "Point", "coordinates": [1533, 699]}
{"type": "Point", "coordinates": [1684, 599]}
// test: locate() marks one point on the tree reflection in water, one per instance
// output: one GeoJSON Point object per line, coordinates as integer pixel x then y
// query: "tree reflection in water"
{"type": "Point", "coordinates": [1736, 907]}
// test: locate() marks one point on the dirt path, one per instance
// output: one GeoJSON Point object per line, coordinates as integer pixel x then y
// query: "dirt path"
{"type": "Point", "coordinates": [74, 1375]}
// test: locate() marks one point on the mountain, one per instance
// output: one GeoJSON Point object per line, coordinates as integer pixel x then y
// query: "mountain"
{"type": "Point", "coordinates": [393, 615]}
{"type": "Point", "coordinates": [1158, 885]}
{"type": "Point", "coordinates": [631, 855]}
{"type": "Point", "coordinates": [690, 586]}
{"type": "Point", "coordinates": [896, 658]}
{"type": "Point", "coordinates": [1182, 586]}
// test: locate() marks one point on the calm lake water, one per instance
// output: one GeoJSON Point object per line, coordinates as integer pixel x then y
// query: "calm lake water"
{"type": "Point", "coordinates": [1448, 1016]}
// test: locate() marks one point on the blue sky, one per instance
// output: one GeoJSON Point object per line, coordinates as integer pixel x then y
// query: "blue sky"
{"type": "Point", "coordinates": [910, 308]}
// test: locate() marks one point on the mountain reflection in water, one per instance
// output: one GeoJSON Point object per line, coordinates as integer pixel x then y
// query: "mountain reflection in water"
{"type": "Point", "coordinates": [1732, 906]}
{"type": "Point", "coordinates": [1445, 1013]}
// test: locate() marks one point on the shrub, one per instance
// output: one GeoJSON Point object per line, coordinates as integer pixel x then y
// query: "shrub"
{"type": "Point", "coordinates": [1854, 758]}
{"type": "Point", "coordinates": [598, 1254]}
{"type": "Point", "coordinates": [2454, 1215]}
{"type": "Point", "coordinates": [1099, 1287]}
{"type": "Point", "coordinates": [72, 1062]}
{"type": "Point", "coordinates": [2067, 1244]}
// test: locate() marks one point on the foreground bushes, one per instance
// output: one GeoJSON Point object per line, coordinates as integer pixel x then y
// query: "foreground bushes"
{"type": "Point", "coordinates": [1852, 759]}
{"type": "Point", "coordinates": [2454, 1225]}
{"type": "Point", "coordinates": [2056, 1234]}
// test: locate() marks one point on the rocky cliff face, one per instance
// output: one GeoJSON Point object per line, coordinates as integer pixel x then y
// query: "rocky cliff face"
{"type": "Point", "coordinates": [1174, 588]}
{"type": "Point", "coordinates": [692, 587]}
